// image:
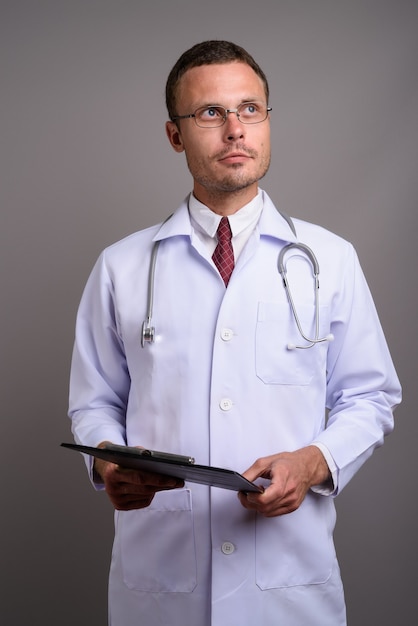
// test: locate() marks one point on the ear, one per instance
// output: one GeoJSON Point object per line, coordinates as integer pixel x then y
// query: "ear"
{"type": "Point", "coordinates": [174, 136]}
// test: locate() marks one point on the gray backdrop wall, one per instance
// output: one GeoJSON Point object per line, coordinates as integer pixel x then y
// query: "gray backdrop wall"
{"type": "Point", "coordinates": [85, 161]}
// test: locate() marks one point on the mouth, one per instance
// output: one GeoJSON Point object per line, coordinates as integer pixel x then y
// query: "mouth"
{"type": "Point", "coordinates": [235, 157]}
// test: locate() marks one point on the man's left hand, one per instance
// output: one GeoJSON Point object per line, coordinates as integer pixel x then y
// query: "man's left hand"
{"type": "Point", "coordinates": [291, 474]}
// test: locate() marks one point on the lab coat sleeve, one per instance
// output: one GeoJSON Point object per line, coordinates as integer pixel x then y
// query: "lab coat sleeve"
{"type": "Point", "coordinates": [99, 380]}
{"type": "Point", "coordinates": [362, 385]}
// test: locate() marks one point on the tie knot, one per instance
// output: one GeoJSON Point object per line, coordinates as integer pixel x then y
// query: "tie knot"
{"type": "Point", "coordinates": [224, 232]}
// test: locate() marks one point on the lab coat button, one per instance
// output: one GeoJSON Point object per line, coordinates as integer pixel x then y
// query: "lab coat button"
{"type": "Point", "coordinates": [228, 547]}
{"type": "Point", "coordinates": [225, 404]}
{"type": "Point", "coordinates": [226, 334]}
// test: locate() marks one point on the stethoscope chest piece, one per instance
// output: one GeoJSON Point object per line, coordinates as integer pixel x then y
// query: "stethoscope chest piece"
{"type": "Point", "coordinates": [148, 332]}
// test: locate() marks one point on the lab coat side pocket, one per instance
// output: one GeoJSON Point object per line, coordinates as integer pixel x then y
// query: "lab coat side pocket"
{"type": "Point", "coordinates": [298, 548]}
{"type": "Point", "coordinates": [158, 544]}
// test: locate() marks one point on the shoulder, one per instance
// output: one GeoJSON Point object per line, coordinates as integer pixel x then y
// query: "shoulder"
{"type": "Point", "coordinates": [316, 235]}
{"type": "Point", "coordinates": [134, 240]}
{"type": "Point", "coordinates": [310, 229]}
{"type": "Point", "coordinates": [143, 240]}
{"type": "Point", "coordinates": [307, 233]}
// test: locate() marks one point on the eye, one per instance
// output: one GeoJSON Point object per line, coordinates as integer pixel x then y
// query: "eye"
{"type": "Point", "coordinates": [250, 108]}
{"type": "Point", "coordinates": [210, 113]}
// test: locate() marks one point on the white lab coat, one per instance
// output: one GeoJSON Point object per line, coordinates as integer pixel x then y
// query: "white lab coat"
{"type": "Point", "coordinates": [220, 384]}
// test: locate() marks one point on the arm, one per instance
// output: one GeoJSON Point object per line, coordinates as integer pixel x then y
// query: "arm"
{"type": "Point", "coordinates": [99, 391]}
{"type": "Point", "coordinates": [99, 380]}
{"type": "Point", "coordinates": [362, 388]}
{"type": "Point", "coordinates": [362, 392]}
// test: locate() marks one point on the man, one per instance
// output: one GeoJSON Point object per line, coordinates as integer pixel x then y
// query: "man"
{"type": "Point", "coordinates": [234, 377]}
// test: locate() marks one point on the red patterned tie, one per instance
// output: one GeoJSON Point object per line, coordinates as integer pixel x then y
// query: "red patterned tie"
{"type": "Point", "coordinates": [223, 257]}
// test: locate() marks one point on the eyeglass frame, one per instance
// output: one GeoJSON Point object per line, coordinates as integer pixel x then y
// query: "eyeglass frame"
{"type": "Point", "coordinates": [224, 117]}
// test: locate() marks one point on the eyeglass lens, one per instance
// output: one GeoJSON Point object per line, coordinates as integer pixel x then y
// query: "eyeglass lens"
{"type": "Point", "coordinates": [247, 113]}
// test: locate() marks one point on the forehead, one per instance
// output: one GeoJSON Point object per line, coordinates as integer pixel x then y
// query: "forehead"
{"type": "Point", "coordinates": [220, 83]}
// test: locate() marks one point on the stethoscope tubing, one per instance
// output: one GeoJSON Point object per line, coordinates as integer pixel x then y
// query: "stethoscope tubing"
{"type": "Point", "coordinates": [315, 270]}
{"type": "Point", "coordinates": [148, 330]}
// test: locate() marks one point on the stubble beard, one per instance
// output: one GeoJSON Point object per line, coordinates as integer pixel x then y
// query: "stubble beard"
{"type": "Point", "coordinates": [233, 182]}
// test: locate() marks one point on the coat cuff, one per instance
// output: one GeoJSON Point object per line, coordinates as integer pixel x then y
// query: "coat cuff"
{"type": "Point", "coordinates": [330, 487]}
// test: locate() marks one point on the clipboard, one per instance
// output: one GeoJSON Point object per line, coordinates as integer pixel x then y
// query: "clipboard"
{"type": "Point", "coordinates": [177, 466]}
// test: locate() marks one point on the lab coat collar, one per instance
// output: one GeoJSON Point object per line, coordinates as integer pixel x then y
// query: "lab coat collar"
{"type": "Point", "coordinates": [274, 223]}
{"type": "Point", "coordinates": [271, 223]}
{"type": "Point", "coordinates": [178, 223]}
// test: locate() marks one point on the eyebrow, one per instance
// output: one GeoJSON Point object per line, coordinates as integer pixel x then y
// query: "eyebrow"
{"type": "Point", "coordinates": [217, 104]}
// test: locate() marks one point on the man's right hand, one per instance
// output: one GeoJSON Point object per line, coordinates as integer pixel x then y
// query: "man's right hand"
{"type": "Point", "coordinates": [132, 489]}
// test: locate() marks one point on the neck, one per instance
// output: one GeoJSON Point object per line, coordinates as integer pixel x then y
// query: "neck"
{"type": "Point", "coordinates": [225, 202]}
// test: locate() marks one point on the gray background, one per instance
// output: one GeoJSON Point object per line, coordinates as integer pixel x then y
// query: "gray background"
{"type": "Point", "coordinates": [85, 161]}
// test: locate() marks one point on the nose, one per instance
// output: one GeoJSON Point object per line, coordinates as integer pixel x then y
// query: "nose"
{"type": "Point", "coordinates": [233, 128]}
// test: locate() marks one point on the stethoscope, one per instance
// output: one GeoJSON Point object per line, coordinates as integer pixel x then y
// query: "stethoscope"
{"type": "Point", "coordinates": [148, 330]}
{"type": "Point", "coordinates": [315, 271]}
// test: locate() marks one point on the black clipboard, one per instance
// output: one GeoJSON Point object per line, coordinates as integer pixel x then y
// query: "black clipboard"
{"type": "Point", "coordinates": [174, 465]}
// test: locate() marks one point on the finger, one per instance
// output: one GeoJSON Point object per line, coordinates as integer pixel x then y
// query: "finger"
{"type": "Point", "coordinates": [128, 497]}
{"type": "Point", "coordinates": [261, 468]}
{"type": "Point", "coordinates": [268, 504]}
{"type": "Point", "coordinates": [151, 479]}
{"type": "Point", "coordinates": [249, 500]}
{"type": "Point", "coordinates": [129, 503]}
{"type": "Point", "coordinates": [127, 490]}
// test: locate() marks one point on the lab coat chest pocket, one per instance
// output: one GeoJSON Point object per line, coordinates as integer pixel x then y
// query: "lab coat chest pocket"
{"type": "Point", "coordinates": [276, 328]}
{"type": "Point", "coordinates": [158, 544]}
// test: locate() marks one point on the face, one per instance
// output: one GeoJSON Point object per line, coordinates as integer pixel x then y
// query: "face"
{"type": "Point", "coordinates": [230, 159]}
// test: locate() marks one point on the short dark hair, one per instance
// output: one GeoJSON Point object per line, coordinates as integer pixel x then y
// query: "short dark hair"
{"type": "Point", "coordinates": [207, 53]}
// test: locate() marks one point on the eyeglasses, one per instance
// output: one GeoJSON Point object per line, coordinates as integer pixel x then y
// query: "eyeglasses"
{"type": "Point", "coordinates": [216, 115]}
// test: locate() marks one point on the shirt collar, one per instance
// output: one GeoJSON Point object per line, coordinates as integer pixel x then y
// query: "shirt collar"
{"type": "Point", "coordinates": [270, 223]}
{"type": "Point", "coordinates": [208, 221]}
